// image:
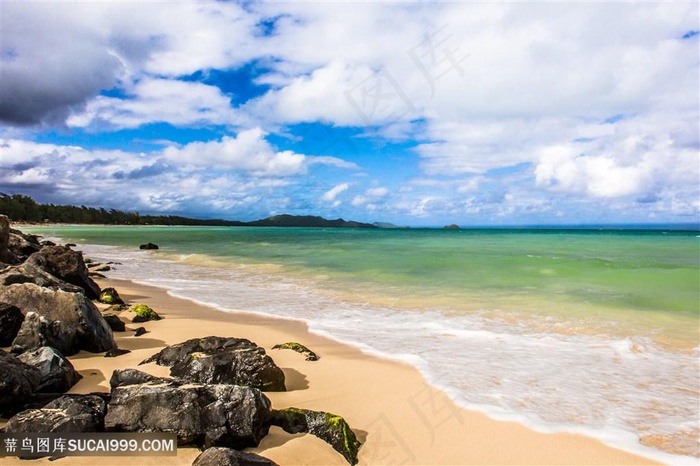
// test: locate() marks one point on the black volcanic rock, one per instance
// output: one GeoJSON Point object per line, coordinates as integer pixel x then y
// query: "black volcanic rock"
{"type": "Point", "coordinates": [68, 265]}
{"type": "Point", "coordinates": [66, 321]}
{"type": "Point", "coordinates": [11, 319]}
{"type": "Point", "coordinates": [205, 415]}
{"type": "Point", "coordinates": [18, 382]}
{"type": "Point", "coordinates": [69, 413]}
{"type": "Point", "coordinates": [57, 373]}
{"type": "Point", "coordinates": [222, 360]}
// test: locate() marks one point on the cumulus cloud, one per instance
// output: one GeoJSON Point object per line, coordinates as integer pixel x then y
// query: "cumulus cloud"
{"type": "Point", "coordinates": [179, 103]}
{"type": "Point", "coordinates": [644, 155]}
{"type": "Point", "coordinates": [248, 152]}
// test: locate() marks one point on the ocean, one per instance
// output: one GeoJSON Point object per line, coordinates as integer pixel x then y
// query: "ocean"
{"type": "Point", "coordinates": [588, 331]}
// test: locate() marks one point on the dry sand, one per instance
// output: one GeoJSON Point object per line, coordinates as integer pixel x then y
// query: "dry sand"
{"type": "Point", "coordinates": [396, 415]}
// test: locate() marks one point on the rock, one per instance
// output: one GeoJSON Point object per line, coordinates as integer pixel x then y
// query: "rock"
{"type": "Point", "coordinates": [10, 321]}
{"type": "Point", "coordinates": [116, 308]}
{"type": "Point", "coordinates": [110, 296]}
{"type": "Point", "coordinates": [57, 373]}
{"type": "Point", "coordinates": [222, 360]}
{"type": "Point", "coordinates": [310, 355]}
{"type": "Point", "coordinates": [218, 456]}
{"type": "Point", "coordinates": [453, 226]}
{"type": "Point", "coordinates": [114, 352]}
{"type": "Point", "coordinates": [69, 413]}
{"type": "Point", "coordinates": [66, 321]}
{"type": "Point", "coordinates": [205, 415]}
{"type": "Point", "coordinates": [6, 256]}
{"type": "Point", "coordinates": [143, 313]}
{"type": "Point", "coordinates": [21, 245]}
{"type": "Point", "coordinates": [148, 246]}
{"type": "Point", "coordinates": [18, 381]}
{"type": "Point", "coordinates": [114, 322]}
{"type": "Point", "coordinates": [30, 272]}
{"type": "Point", "coordinates": [68, 265]}
{"type": "Point", "coordinates": [140, 331]}
{"type": "Point", "coordinates": [123, 377]}
{"type": "Point", "coordinates": [328, 427]}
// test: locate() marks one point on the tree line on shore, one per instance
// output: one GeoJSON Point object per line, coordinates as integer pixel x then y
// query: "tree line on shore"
{"type": "Point", "coordinates": [21, 208]}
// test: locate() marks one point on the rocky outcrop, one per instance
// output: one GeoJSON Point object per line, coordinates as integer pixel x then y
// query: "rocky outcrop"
{"type": "Point", "coordinates": [326, 426]}
{"type": "Point", "coordinates": [68, 265]}
{"type": "Point", "coordinates": [218, 456]}
{"type": "Point", "coordinates": [57, 373]}
{"type": "Point", "coordinates": [69, 413]}
{"type": "Point", "coordinates": [222, 360]}
{"type": "Point", "coordinates": [110, 296]}
{"type": "Point", "coordinates": [21, 245]}
{"type": "Point", "coordinates": [17, 383]}
{"type": "Point", "coordinates": [66, 321]}
{"type": "Point", "coordinates": [148, 246]}
{"type": "Point", "coordinates": [205, 415]}
{"type": "Point", "coordinates": [10, 321]}
{"type": "Point", "coordinates": [29, 272]}
{"type": "Point", "coordinates": [299, 348]}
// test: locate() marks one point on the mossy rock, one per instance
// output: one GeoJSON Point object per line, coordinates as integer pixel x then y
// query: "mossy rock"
{"type": "Point", "coordinates": [330, 428]}
{"type": "Point", "coordinates": [110, 296]}
{"type": "Point", "coordinates": [299, 348]}
{"type": "Point", "coordinates": [143, 313]}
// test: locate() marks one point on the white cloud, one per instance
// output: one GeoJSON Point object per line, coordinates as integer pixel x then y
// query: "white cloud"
{"type": "Point", "coordinates": [179, 103]}
{"type": "Point", "coordinates": [332, 193]}
{"type": "Point", "coordinates": [644, 155]}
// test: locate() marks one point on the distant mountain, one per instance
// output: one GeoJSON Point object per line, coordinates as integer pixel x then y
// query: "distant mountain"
{"type": "Point", "coordinates": [287, 220]}
{"type": "Point", "coordinates": [386, 225]}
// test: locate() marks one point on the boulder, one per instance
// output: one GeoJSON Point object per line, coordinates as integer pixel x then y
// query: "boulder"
{"type": "Point", "coordinates": [328, 427]}
{"type": "Point", "coordinates": [66, 321]}
{"type": "Point", "coordinates": [29, 272]}
{"type": "Point", "coordinates": [57, 373]}
{"type": "Point", "coordinates": [219, 456]}
{"type": "Point", "coordinates": [110, 296]}
{"type": "Point", "coordinates": [140, 331]}
{"type": "Point", "coordinates": [6, 256]}
{"type": "Point", "coordinates": [18, 381]}
{"type": "Point", "coordinates": [69, 413]}
{"type": "Point", "coordinates": [22, 245]}
{"type": "Point", "coordinates": [143, 313]}
{"type": "Point", "coordinates": [68, 265]}
{"type": "Point", "coordinates": [299, 348]}
{"type": "Point", "coordinates": [10, 321]}
{"type": "Point", "coordinates": [148, 246]}
{"type": "Point", "coordinates": [114, 322]}
{"type": "Point", "coordinates": [205, 415]}
{"type": "Point", "coordinates": [222, 360]}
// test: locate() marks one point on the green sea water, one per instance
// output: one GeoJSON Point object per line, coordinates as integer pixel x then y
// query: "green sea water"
{"type": "Point", "coordinates": [648, 281]}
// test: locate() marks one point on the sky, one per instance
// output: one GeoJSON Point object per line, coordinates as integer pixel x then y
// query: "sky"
{"type": "Point", "coordinates": [419, 114]}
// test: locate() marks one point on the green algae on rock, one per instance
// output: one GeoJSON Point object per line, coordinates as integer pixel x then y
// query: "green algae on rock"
{"type": "Point", "coordinates": [143, 313]}
{"type": "Point", "coordinates": [299, 348]}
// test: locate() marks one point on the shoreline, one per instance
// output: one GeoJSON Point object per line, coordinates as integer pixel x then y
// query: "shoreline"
{"type": "Point", "coordinates": [396, 414]}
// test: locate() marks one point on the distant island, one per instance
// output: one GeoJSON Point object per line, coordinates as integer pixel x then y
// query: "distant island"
{"type": "Point", "coordinates": [20, 208]}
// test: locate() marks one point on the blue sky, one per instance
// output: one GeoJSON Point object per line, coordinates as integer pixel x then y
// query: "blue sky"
{"type": "Point", "coordinates": [411, 113]}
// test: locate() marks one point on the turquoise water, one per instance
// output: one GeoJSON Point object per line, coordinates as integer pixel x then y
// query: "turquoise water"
{"type": "Point", "coordinates": [624, 305]}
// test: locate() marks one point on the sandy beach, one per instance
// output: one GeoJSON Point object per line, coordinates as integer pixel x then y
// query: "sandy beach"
{"type": "Point", "coordinates": [397, 416]}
